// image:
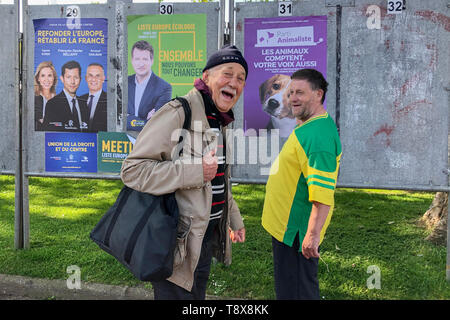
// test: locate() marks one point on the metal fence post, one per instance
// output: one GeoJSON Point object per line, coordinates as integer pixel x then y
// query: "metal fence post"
{"type": "Point", "coordinates": [448, 194]}
{"type": "Point", "coordinates": [25, 213]}
{"type": "Point", "coordinates": [18, 209]}
{"type": "Point", "coordinates": [448, 241]}
{"type": "Point", "coordinates": [120, 60]}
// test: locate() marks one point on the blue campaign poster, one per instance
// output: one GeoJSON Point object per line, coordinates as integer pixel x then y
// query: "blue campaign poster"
{"type": "Point", "coordinates": [59, 42]}
{"type": "Point", "coordinates": [70, 152]}
{"type": "Point", "coordinates": [61, 45]}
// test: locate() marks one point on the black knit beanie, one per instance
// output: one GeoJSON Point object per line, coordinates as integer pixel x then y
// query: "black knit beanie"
{"type": "Point", "coordinates": [227, 54]}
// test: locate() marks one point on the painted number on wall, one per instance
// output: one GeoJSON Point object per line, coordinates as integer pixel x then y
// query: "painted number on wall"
{"type": "Point", "coordinates": [285, 8]}
{"type": "Point", "coordinates": [395, 6]}
{"type": "Point", "coordinates": [373, 13]}
{"type": "Point", "coordinates": [73, 17]}
{"type": "Point", "coordinates": [166, 8]}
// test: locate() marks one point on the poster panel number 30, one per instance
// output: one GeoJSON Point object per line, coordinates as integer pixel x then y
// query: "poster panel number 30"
{"type": "Point", "coordinates": [395, 6]}
{"type": "Point", "coordinates": [165, 8]}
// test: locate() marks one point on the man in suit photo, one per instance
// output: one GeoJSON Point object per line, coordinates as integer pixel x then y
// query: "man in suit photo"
{"type": "Point", "coordinates": [146, 91]}
{"type": "Point", "coordinates": [96, 98]}
{"type": "Point", "coordinates": [65, 111]}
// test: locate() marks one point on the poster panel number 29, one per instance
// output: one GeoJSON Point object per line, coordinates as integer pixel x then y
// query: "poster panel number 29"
{"type": "Point", "coordinates": [395, 6]}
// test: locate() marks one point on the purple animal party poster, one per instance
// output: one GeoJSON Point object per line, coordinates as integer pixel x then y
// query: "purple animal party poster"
{"type": "Point", "coordinates": [274, 49]}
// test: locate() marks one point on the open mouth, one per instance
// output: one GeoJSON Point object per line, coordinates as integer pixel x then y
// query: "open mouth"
{"type": "Point", "coordinates": [227, 94]}
{"type": "Point", "coordinates": [296, 107]}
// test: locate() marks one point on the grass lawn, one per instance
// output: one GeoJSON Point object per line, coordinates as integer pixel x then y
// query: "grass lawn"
{"type": "Point", "coordinates": [369, 228]}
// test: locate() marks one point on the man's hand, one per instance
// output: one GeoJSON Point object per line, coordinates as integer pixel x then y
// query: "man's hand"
{"type": "Point", "coordinates": [238, 235]}
{"type": "Point", "coordinates": [310, 245]}
{"type": "Point", "coordinates": [209, 163]}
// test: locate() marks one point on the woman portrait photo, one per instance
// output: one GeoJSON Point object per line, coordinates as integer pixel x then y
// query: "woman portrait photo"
{"type": "Point", "coordinates": [45, 80]}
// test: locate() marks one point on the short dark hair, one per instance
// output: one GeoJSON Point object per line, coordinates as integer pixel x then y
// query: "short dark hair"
{"type": "Point", "coordinates": [71, 65]}
{"type": "Point", "coordinates": [96, 65]}
{"type": "Point", "coordinates": [315, 79]}
{"type": "Point", "coordinates": [142, 45]}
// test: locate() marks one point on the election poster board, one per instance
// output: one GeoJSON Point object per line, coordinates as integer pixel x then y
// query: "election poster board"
{"type": "Point", "coordinates": [179, 54]}
{"type": "Point", "coordinates": [113, 148]}
{"type": "Point", "coordinates": [70, 152]}
{"type": "Point", "coordinates": [274, 49]}
{"type": "Point", "coordinates": [80, 49]}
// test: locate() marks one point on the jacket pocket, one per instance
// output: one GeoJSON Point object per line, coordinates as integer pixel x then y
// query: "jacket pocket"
{"type": "Point", "coordinates": [184, 227]}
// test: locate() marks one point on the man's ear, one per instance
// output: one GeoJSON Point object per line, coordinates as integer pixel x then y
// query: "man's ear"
{"type": "Point", "coordinates": [61, 78]}
{"type": "Point", "coordinates": [205, 76]}
{"type": "Point", "coordinates": [319, 94]}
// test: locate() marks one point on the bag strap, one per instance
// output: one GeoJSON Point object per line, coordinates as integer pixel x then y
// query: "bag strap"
{"type": "Point", "coordinates": [187, 114]}
{"type": "Point", "coordinates": [123, 196]}
{"type": "Point", "coordinates": [186, 124]}
{"type": "Point", "coordinates": [138, 229]}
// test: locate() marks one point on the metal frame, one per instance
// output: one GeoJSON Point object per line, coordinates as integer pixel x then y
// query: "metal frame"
{"type": "Point", "coordinates": [117, 70]}
{"type": "Point", "coordinates": [339, 4]}
{"type": "Point", "coordinates": [22, 71]}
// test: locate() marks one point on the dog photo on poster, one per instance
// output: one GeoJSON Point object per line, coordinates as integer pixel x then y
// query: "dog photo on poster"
{"type": "Point", "coordinates": [274, 49]}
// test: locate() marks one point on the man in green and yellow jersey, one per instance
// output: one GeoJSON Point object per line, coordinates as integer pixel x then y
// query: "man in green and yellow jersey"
{"type": "Point", "coordinates": [300, 190]}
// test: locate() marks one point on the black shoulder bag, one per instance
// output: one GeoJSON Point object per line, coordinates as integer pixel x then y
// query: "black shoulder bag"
{"type": "Point", "coordinates": [140, 229]}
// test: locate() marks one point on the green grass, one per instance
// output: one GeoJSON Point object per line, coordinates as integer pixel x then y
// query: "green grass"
{"type": "Point", "coordinates": [369, 227]}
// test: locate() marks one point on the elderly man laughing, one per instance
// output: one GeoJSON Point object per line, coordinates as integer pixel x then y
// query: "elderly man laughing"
{"type": "Point", "coordinates": [209, 217]}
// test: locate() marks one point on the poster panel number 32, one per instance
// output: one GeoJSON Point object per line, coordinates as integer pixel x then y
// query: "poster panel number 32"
{"type": "Point", "coordinates": [395, 6]}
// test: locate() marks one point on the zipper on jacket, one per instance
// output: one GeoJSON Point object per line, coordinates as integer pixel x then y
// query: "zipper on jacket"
{"type": "Point", "coordinates": [223, 227]}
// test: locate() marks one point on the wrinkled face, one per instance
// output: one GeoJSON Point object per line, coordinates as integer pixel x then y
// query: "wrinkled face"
{"type": "Point", "coordinates": [71, 80]}
{"type": "Point", "coordinates": [303, 99]}
{"type": "Point", "coordinates": [46, 78]}
{"type": "Point", "coordinates": [225, 82]}
{"type": "Point", "coordinates": [95, 78]}
{"type": "Point", "coordinates": [142, 62]}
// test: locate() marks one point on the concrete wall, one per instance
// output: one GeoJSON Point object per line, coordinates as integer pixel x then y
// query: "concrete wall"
{"type": "Point", "coordinates": [391, 93]}
{"type": "Point", "coordinates": [394, 122]}
{"type": "Point", "coordinates": [388, 84]}
{"type": "Point", "coordinates": [116, 13]}
{"type": "Point", "coordinates": [9, 87]}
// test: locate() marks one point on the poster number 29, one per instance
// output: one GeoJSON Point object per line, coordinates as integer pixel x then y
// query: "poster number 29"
{"type": "Point", "coordinates": [72, 12]}
{"type": "Point", "coordinates": [285, 9]}
{"type": "Point", "coordinates": [166, 8]}
{"type": "Point", "coordinates": [73, 17]}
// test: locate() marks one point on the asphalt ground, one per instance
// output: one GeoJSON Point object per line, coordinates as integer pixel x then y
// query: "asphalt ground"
{"type": "Point", "coordinates": [14, 287]}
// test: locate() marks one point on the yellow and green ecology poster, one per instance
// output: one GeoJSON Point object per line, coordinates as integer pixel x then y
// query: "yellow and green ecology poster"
{"type": "Point", "coordinates": [113, 148]}
{"type": "Point", "coordinates": [166, 53]}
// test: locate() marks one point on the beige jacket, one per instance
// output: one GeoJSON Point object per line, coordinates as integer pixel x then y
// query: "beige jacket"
{"type": "Point", "coordinates": [152, 167]}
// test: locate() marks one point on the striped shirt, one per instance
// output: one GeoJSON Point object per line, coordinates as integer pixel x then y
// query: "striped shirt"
{"type": "Point", "coordinates": [305, 171]}
{"type": "Point", "coordinates": [218, 183]}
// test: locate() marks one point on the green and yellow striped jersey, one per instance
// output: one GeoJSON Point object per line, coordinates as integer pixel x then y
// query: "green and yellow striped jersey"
{"type": "Point", "coordinates": [305, 171]}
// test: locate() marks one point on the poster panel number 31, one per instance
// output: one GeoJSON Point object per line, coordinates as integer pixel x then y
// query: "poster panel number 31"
{"type": "Point", "coordinates": [285, 9]}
